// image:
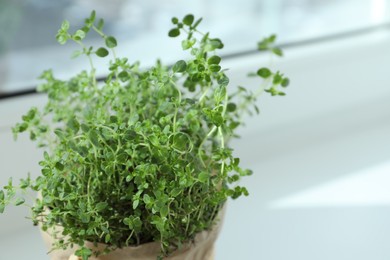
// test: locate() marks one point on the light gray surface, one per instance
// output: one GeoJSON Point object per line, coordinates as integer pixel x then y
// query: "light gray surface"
{"type": "Point", "coordinates": [333, 124]}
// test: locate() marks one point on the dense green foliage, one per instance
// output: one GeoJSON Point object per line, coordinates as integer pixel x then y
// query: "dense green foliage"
{"type": "Point", "coordinates": [142, 156]}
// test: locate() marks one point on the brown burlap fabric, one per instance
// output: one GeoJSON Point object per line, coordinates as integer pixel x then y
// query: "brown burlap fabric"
{"type": "Point", "coordinates": [202, 248]}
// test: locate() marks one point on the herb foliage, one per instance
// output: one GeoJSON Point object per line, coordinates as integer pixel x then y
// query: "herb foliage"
{"type": "Point", "coordinates": [142, 156]}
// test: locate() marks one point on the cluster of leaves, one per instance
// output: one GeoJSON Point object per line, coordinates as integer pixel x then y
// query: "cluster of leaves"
{"type": "Point", "coordinates": [142, 156]}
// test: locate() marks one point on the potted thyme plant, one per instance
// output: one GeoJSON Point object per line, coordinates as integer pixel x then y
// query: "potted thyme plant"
{"type": "Point", "coordinates": [142, 158]}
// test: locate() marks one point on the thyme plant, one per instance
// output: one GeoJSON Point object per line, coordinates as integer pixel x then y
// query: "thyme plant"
{"type": "Point", "coordinates": [142, 156]}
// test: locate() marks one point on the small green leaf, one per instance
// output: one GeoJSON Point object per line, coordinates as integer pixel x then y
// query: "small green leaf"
{"type": "Point", "coordinates": [277, 78]}
{"type": "Point", "coordinates": [100, 24]}
{"type": "Point", "coordinates": [85, 128]}
{"type": "Point", "coordinates": [58, 132]}
{"type": "Point", "coordinates": [216, 43]}
{"type": "Point", "coordinates": [2, 195]}
{"type": "Point", "coordinates": [231, 107]}
{"type": "Point", "coordinates": [174, 32]}
{"type": "Point", "coordinates": [123, 76]}
{"type": "Point", "coordinates": [186, 44]}
{"type": "Point", "coordinates": [19, 201]}
{"type": "Point", "coordinates": [264, 73]}
{"type": "Point", "coordinates": [181, 142]}
{"type": "Point", "coordinates": [164, 211]}
{"type": "Point", "coordinates": [174, 20]}
{"type": "Point", "coordinates": [102, 52]}
{"type": "Point", "coordinates": [220, 94]}
{"type": "Point", "coordinates": [175, 192]}
{"type": "Point", "coordinates": [92, 16]}
{"type": "Point", "coordinates": [137, 223]}
{"type": "Point", "coordinates": [285, 82]}
{"type": "Point", "coordinates": [85, 218]}
{"type": "Point", "coordinates": [224, 80]}
{"type": "Point", "coordinates": [188, 19]}
{"type": "Point", "coordinates": [101, 206]}
{"type": "Point", "coordinates": [76, 54]}
{"type": "Point", "coordinates": [107, 238]}
{"type": "Point", "coordinates": [146, 199]}
{"type": "Point", "coordinates": [180, 66]}
{"type": "Point", "coordinates": [214, 60]}
{"type": "Point", "coordinates": [59, 166]}
{"type": "Point", "coordinates": [79, 35]}
{"type": "Point", "coordinates": [73, 124]}
{"type": "Point", "coordinates": [84, 253]}
{"type": "Point", "coordinates": [277, 51]}
{"type": "Point", "coordinates": [2, 207]}
{"type": "Point", "coordinates": [203, 177]}
{"type": "Point", "coordinates": [65, 25]}
{"type": "Point", "coordinates": [111, 42]}
{"type": "Point", "coordinates": [215, 68]}
{"type": "Point", "coordinates": [197, 23]}
{"type": "Point", "coordinates": [135, 204]}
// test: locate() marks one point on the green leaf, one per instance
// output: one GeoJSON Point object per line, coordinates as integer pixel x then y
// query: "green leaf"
{"type": "Point", "coordinates": [214, 60]}
{"type": "Point", "coordinates": [146, 199]}
{"type": "Point", "coordinates": [59, 166]}
{"type": "Point", "coordinates": [62, 38]}
{"type": "Point", "coordinates": [277, 51]}
{"type": "Point", "coordinates": [107, 238]}
{"type": "Point", "coordinates": [137, 224]}
{"type": "Point", "coordinates": [264, 73]}
{"type": "Point", "coordinates": [102, 52]}
{"type": "Point", "coordinates": [135, 204]}
{"type": "Point", "coordinates": [100, 24]}
{"type": "Point", "coordinates": [174, 20]}
{"type": "Point", "coordinates": [19, 201]}
{"type": "Point", "coordinates": [219, 94]}
{"type": "Point", "coordinates": [84, 253]}
{"type": "Point", "coordinates": [197, 23]}
{"type": "Point", "coordinates": [73, 124]}
{"type": "Point", "coordinates": [216, 43]}
{"type": "Point", "coordinates": [92, 16]}
{"type": "Point", "coordinates": [2, 195]}
{"type": "Point", "coordinates": [181, 142]}
{"type": "Point", "coordinates": [123, 76]}
{"type": "Point", "coordinates": [188, 19]}
{"type": "Point", "coordinates": [85, 218]}
{"type": "Point", "coordinates": [76, 54]}
{"type": "Point", "coordinates": [2, 207]}
{"type": "Point", "coordinates": [231, 107]}
{"type": "Point", "coordinates": [180, 66]}
{"type": "Point", "coordinates": [174, 32]}
{"type": "Point", "coordinates": [277, 78]}
{"type": "Point", "coordinates": [101, 206]}
{"type": "Point", "coordinates": [186, 44]}
{"type": "Point", "coordinates": [58, 132]}
{"type": "Point", "coordinates": [224, 80]}
{"type": "Point", "coordinates": [85, 128]}
{"type": "Point", "coordinates": [159, 223]}
{"type": "Point", "coordinates": [111, 42]}
{"type": "Point", "coordinates": [65, 25]}
{"type": "Point", "coordinates": [203, 177]}
{"type": "Point", "coordinates": [164, 211]}
{"type": "Point", "coordinates": [79, 35]}
{"type": "Point", "coordinates": [285, 82]}
{"type": "Point", "coordinates": [215, 68]}
{"type": "Point", "coordinates": [175, 192]}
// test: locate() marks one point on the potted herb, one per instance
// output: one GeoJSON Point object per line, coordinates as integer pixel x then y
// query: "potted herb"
{"type": "Point", "coordinates": [141, 159]}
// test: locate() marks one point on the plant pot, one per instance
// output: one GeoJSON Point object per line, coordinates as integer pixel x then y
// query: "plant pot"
{"type": "Point", "coordinates": [201, 248]}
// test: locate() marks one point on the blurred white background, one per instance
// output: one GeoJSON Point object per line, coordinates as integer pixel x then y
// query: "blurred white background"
{"type": "Point", "coordinates": [320, 155]}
